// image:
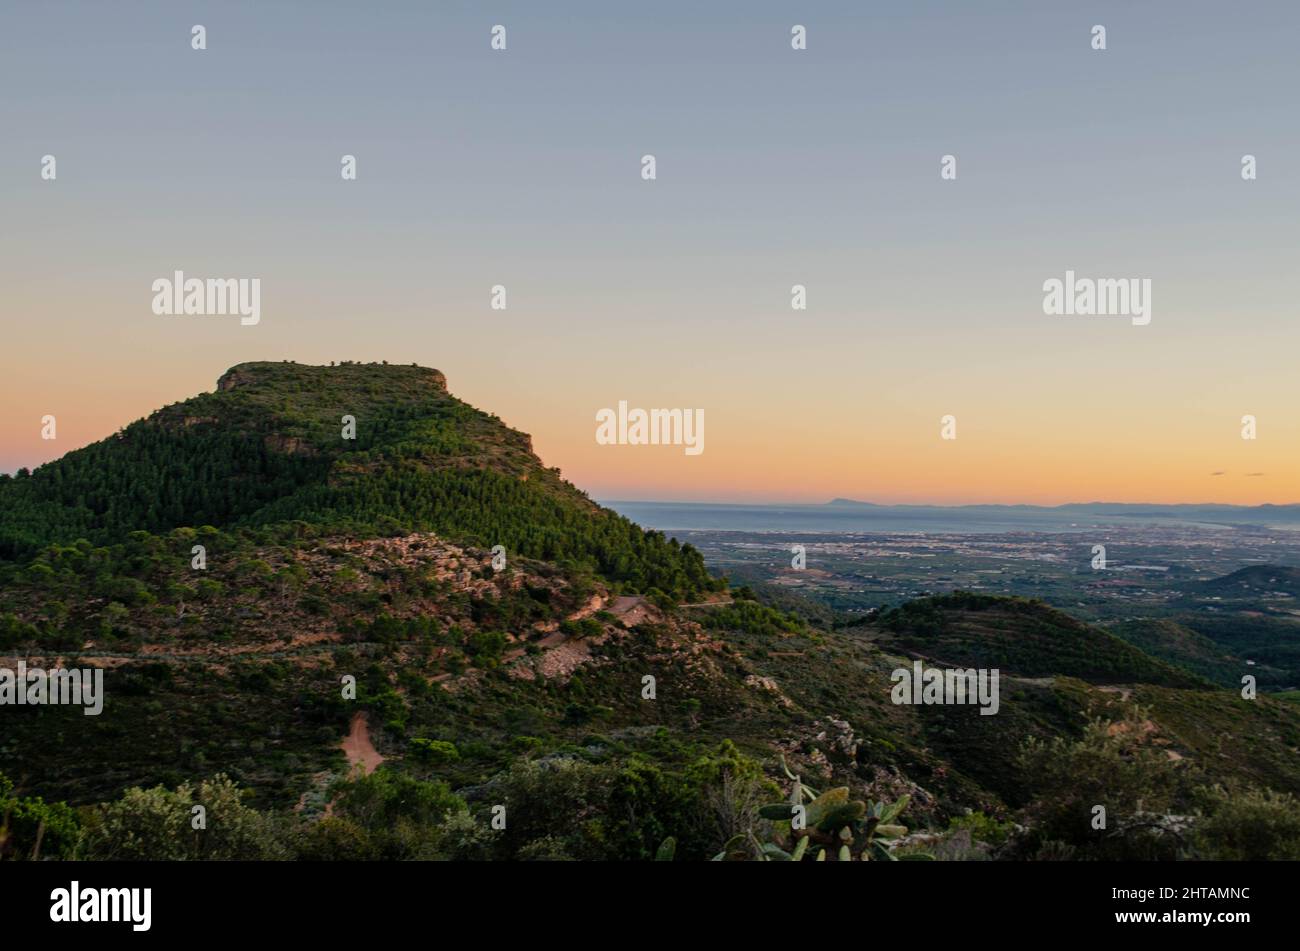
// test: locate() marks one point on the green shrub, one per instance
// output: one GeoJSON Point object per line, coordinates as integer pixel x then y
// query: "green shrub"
{"type": "Point", "coordinates": [1248, 826]}
{"type": "Point", "coordinates": [983, 828]}
{"type": "Point", "coordinates": [158, 824]}
{"type": "Point", "coordinates": [31, 828]}
{"type": "Point", "coordinates": [434, 752]}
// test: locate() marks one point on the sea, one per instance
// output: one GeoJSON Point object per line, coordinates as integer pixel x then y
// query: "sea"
{"type": "Point", "coordinates": [834, 518]}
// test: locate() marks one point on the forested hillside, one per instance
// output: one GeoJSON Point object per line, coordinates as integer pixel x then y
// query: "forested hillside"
{"type": "Point", "coordinates": [269, 447]}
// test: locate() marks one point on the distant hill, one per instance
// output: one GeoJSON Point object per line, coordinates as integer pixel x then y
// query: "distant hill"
{"type": "Point", "coordinates": [1022, 637]}
{"type": "Point", "coordinates": [269, 448]}
{"type": "Point", "coordinates": [1253, 581]}
{"type": "Point", "coordinates": [1186, 511]}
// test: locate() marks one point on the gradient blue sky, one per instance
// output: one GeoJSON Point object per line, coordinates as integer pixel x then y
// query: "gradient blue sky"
{"type": "Point", "coordinates": [775, 167]}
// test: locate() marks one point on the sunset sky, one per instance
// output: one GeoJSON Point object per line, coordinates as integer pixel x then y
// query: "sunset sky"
{"type": "Point", "coordinates": [775, 167]}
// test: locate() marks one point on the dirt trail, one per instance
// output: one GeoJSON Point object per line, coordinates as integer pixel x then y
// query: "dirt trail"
{"type": "Point", "coordinates": [358, 748]}
{"type": "Point", "coordinates": [717, 602]}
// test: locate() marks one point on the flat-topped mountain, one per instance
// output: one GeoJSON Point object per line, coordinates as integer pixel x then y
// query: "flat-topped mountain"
{"type": "Point", "coordinates": [364, 449]}
{"type": "Point", "coordinates": [266, 374]}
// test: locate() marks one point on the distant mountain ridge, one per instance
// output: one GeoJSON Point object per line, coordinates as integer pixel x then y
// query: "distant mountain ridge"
{"type": "Point", "coordinates": [1134, 509]}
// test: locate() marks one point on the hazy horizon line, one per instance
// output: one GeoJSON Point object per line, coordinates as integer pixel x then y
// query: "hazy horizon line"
{"type": "Point", "coordinates": [943, 505]}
